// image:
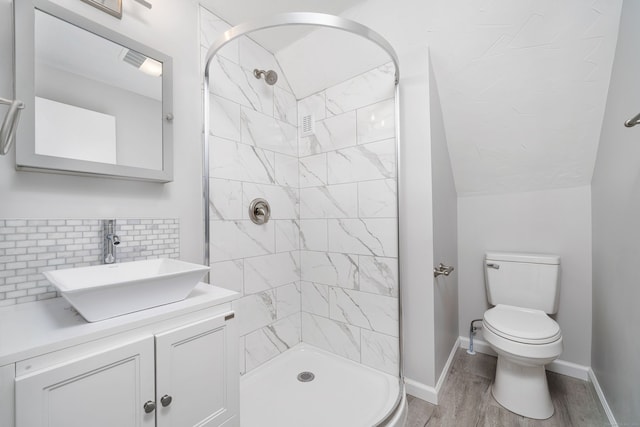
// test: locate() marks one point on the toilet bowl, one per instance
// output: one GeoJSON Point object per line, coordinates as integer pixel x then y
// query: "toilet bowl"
{"type": "Point", "coordinates": [525, 340]}
{"type": "Point", "coordinates": [523, 288]}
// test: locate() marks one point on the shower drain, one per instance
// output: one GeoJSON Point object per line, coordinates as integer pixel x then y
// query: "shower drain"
{"type": "Point", "coordinates": [306, 376]}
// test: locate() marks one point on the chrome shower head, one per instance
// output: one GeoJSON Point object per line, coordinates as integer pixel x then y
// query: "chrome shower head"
{"type": "Point", "coordinates": [270, 76]}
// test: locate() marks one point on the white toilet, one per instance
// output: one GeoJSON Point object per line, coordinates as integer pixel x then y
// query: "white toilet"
{"type": "Point", "coordinates": [523, 288]}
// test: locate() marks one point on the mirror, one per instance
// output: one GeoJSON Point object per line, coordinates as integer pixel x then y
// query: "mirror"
{"type": "Point", "coordinates": [97, 103]}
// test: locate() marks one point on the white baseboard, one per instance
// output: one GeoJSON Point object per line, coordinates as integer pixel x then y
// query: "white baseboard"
{"type": "Point", "coordinates": [558, 366]}
{"type": "Point", "coordinates": [428, 393]}
{"type": "Point", "coordinates": [421, 391]}
{"type": "Point", "coordinates": [603, 400]}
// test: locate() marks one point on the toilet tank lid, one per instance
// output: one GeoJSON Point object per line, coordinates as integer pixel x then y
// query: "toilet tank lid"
{"type": "Point", "coordinates": [523, 257]}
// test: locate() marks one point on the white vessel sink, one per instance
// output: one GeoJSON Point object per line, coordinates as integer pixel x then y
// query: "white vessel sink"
{"type": "Point", "coordinates": [103, 291]}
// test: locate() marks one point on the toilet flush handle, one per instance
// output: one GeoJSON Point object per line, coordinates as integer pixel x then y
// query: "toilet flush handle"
{"type": "Point", "coordinates": [492, 265]}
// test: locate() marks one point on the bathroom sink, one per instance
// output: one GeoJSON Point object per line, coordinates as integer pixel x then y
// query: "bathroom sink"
{"type": "Point", "coordinates": [104, 291]}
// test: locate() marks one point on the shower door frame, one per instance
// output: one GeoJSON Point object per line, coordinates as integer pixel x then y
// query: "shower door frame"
{"type": "Point", "coordinates": [317, 20]}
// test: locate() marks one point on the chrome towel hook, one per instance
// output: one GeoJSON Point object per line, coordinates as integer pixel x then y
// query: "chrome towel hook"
{"type": "Point", "coordinates": [633, 121]}
{"type": "Point", "coordinates": [9, 124]}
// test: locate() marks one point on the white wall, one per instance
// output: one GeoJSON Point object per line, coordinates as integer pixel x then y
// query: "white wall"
{"type": "Point", "coordinates": [616, 232]}
{"type": "Point", "coordinates": [552, 221]}
{"type": "Point", "coordinates": [445, 234]}
{"type": "Point", "coordinates": [170, 27]}
{"type": "Point", "coordinates": [416, 218]}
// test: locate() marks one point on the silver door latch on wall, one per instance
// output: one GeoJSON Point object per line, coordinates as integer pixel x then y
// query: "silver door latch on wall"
{"type": "Point", "coordinates": [442, 269]}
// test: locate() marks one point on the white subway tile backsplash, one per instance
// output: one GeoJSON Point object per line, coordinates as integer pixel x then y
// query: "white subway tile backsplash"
{"type": "Point", "coordinates": [30, 247]}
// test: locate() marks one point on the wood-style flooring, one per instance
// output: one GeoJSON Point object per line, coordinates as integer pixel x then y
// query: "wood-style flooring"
{"type": "Point", "coordinates": [466, 400]}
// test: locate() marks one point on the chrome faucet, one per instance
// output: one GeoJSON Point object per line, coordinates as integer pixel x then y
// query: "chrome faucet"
{"type": "Point", "coordinates": [111, 240]}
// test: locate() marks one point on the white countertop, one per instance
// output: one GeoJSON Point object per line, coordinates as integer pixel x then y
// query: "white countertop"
{"type": "Point", "coordinates": [30, 329]}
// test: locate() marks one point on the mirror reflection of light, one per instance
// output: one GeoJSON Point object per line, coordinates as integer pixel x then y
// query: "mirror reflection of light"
{"type": "Point", "coordinates": [151, 67]}
{"type": "Point", "coordinates": [373, 117]}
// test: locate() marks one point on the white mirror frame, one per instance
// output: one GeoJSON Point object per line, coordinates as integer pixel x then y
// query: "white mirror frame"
{"type": "Point", "coordinates": [26, 157]}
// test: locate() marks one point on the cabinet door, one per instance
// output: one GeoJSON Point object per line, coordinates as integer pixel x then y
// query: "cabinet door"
{"type": "Point", "coordinates": [105, 389]}
{"type": "Point", "coordinates": [196, 367]}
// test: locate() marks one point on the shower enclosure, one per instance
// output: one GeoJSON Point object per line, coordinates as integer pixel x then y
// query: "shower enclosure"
{"type": "Point", "coordinates": [301, 219]}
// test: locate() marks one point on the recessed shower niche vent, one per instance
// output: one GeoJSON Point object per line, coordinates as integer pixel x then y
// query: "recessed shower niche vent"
{"type": "Point", "coordinates": [308, 125]}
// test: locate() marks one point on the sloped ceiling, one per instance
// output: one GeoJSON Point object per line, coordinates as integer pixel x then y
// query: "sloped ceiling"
{"type": "Point", "coordinates": [523, 84]}
{"type": "Point", "coordinates": [239, 11]}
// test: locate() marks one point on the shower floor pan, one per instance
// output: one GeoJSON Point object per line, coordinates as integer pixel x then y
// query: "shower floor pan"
{"type": "Point", "coordinates": [342, 393]}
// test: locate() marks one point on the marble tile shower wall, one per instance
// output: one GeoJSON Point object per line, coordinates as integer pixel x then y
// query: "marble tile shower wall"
{"type": "Point", "coordinates": [28, 247]}
{"type": "Point", "coordinates": [348, 221]}
{"type": "Point", "coordinates": [254, 153]}
{"type": "Point", "coordinates": [324, 269]}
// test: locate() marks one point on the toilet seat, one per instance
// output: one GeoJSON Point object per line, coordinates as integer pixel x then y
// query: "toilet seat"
{"type": "Point", "coordinates": [522, 325]}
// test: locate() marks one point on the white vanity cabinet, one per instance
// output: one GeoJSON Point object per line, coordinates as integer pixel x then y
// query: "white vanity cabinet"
{"type": "Point", "coordinates": [197, 375]}
{"type": "Point", "coordinates": [171, 368]}
{"type": "Point", "coordinates": [109, 388]}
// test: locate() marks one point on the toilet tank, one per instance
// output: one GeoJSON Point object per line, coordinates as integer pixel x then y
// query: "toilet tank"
{"type": "Point", "coordinates": [523, 280]}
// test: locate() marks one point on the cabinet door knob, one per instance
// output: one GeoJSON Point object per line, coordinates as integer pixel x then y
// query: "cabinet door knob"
{"type": "Point", "coordinates": [166, 400]}
{"type": "Point", "coordinates": [149, 407]}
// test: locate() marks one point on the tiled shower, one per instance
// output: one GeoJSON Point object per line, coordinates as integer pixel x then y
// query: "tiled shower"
{"type": "Point", "coordinates": [323, 270]}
